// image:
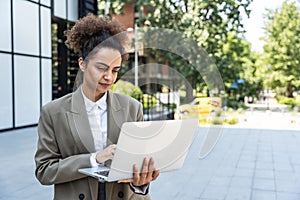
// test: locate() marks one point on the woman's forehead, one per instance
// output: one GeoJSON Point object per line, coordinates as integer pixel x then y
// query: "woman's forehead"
{"type": "Point", "coordinates": [108, 55]}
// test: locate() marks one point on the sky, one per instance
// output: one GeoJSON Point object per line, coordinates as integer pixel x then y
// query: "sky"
{"type": "Point", "coordinates": [254, 24]}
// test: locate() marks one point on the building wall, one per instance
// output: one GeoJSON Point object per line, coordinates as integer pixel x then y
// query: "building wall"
{"type": "Point", "coordinates": [26, 57]}
{"type": "Point", "coordinates": [127, 18]}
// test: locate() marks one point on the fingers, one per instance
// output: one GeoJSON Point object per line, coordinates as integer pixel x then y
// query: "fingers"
{"type": "Point", "coordinates": [136, 175]}
{"type": "Point", "coordinates": [145, 171]}
{"type": "Point", "coordinates": [150, 169]}
{"type": "Point", "coordinates": [111, 150]}
{"type": "Point", "coordinates": [107, 154]}
{"type": "Point", "coordinates": [155, 175]}
{"type": "Point", "coordinates": [129, 180]}
{"type": "Point", "coordinates": [147, 174]}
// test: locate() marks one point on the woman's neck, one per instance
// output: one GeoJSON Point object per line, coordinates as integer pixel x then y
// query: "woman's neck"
{"type": "Point", "coordinates": [92, 95]}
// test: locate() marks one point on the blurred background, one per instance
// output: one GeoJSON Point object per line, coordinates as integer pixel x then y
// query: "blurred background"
{"type": "Point", "coordinates": [254, 44]}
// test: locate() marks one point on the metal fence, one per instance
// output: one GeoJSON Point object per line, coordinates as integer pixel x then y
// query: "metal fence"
{"type": "Point", "coordinates": [155, 109]}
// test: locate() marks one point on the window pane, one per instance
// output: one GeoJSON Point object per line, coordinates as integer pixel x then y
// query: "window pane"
{"type": "Point", "coordinates": [46, 81]}
{"type": "Point", "coordinates": [60, 8]}
{"type": "Point", "coordinates": [46, 2]}
{"type": "Point", "coordinates": [72, 10]}
{"type": "Point", "coordinates": [6, 114]}
{"type": "Point", "coordinates": [27, 90]}
{"type": "Point", "coordinates": [46, 31]}
{"type": "Point", "coordinates": [26, 27]}
{"type": "Point", "coordinates": [5, 24]}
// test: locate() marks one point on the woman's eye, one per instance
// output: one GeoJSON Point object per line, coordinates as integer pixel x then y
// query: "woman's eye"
{"type": "Point", "coordinates": [102, 68]}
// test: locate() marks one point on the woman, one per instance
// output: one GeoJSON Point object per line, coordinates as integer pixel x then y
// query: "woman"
{"type": "Point", "coordinates": [81, 129]}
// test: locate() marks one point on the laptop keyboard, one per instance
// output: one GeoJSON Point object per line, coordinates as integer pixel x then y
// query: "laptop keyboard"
{"type": "Point", "coordinates": [103, 173]}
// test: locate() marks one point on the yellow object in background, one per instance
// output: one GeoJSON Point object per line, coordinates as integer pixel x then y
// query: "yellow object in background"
{"type": "Point", "coordinates": [208, 105]}
{"type": "Point", "coordinates": [199, 108]}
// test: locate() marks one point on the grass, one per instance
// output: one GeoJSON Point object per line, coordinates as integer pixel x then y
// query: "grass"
{"type": "Point", "coordinates": [219, 117]}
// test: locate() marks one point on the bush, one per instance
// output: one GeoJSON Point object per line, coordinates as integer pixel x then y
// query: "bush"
{"type": "Point", "coordinates": [232, 120]}
{"type": "Point", "coordinates": [289, 101]}
{"type": "Point", "coordinates": [235, 104]}
{"type": "Point", "coordinates": [240, 111]}
{"type": "Point", "coordinates": [230, 111]}
{"type": "Point", "coordinates": [149, 101]}
{"type": "Point", "coordinates": [127, 88]}
{"type": "Point", "coordinates": [218, 112]}
{"type": "Point", "coordinates": [217, 120]}
{"type": "Point", "coordinates": [286, 100]}
{"type": "Point", "coordinates": [202, 120]}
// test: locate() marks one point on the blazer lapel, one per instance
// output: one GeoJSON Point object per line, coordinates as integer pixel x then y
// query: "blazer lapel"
{"type": "Point", "coordinates": [79, 123]}
{"type": "Point", "coordinates": [115, 118]}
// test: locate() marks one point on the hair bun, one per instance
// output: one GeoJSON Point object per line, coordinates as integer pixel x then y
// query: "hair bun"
{"type": "Point", "coordinates": [90, 27]}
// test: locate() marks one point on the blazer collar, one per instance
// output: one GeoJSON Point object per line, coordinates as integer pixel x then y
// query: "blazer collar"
{"type": "Point", "coordinates": [78, 105]}
{"type": "Point", "coordinates": [90, 105]}
{"type": "Point", "coordinates": [79, 122]}
{"type": "Point", "coordinates": [113, 102]}
{"type": "Point", "coordinates": [115, 117]}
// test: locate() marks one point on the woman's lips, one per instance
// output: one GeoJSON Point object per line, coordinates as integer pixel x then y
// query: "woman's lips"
{"type": "Point", "coordinates": [105, 84]}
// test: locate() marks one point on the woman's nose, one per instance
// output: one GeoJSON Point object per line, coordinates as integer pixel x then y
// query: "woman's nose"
{"type": "Point", "coordinates": [107, 75]}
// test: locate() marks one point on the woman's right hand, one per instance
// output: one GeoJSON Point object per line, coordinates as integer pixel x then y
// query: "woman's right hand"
{"type": "Point", "coordinates": [107, 154]}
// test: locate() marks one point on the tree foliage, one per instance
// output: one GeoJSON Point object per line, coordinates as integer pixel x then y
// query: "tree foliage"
{"type": "Point", "coordinates": [215, 25]}
{"type": "Point", "coordinates": [282, 47]}
{"type": "Point", "coordinates": [127, 88]}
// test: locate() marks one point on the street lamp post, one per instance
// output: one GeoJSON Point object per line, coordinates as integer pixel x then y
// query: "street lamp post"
{"type": "Point", "coordinates": [268, 88]}
{"type": "Point", "coordinates": [136, 62]}
{"type": "Point", "coordinates": [107, 6]}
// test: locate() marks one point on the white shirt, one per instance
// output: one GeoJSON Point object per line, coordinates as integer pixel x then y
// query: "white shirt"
{"type": "Point", "coordinates": [97, 116]}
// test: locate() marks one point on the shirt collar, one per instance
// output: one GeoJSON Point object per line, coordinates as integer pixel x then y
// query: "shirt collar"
{"type": "Point", "coordinates": [89, 105]}
{"type": "Point", "coordinates": [102, 102]}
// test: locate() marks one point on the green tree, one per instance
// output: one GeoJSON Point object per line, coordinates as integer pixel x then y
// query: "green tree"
{"type": "Point", "coordinates": [282, 47]}
{"type": "Point", "coordinates": [215, 25]}
{"type": "Point", "coordinates": [110, 7]}
{"type": "Point", "coordinates": [233, 60]}
{"type": "Point", "coordinates": [254, 77]}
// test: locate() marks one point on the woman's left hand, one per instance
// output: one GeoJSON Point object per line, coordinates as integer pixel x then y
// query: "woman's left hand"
{"type": "Point", "coordinates": [147, 174]}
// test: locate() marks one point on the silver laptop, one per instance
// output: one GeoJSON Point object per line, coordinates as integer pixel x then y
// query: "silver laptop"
{"type": "Point", "coordinates": [166, 141]}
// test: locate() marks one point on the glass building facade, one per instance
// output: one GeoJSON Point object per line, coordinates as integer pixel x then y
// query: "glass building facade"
{"type": "Point", "coordinates": [36, 66]}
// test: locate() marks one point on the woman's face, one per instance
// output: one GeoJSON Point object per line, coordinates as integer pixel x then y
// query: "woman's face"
{"type": "Point", "coordinates": [100, 73]}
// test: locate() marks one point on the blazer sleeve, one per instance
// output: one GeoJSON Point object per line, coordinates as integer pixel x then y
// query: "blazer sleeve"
{"type": "Point", "coordinates": [51, 167]}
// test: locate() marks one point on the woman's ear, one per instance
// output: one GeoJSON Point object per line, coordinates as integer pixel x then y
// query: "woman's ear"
{"type": "Point", "coordinates": [81, 64]}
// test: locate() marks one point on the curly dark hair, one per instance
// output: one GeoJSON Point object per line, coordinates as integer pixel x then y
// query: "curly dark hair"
{"type": "Point", "coordinates": [90, 31]}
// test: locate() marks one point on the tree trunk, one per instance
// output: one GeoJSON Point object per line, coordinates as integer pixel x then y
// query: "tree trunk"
{"type": "Point", "coordinates": [290, 90]}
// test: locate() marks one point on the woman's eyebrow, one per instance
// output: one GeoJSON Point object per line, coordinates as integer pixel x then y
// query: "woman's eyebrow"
{"type": "Point", "coordinates": [101, 63]}
{"type": "Point", "coordinates": [117, 67]}
{"type": "Point", "coordinates": [106, 65]}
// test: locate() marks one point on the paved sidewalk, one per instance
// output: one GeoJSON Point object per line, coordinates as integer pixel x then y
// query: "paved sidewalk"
{"type": "Point", "coordinates": [246, 164]}
{"type": "Point", "coordinates": [17, 180]}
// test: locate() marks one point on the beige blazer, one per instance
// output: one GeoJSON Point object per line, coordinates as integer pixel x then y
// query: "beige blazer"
{"type": "Point", "coordinates": [65, 143]}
